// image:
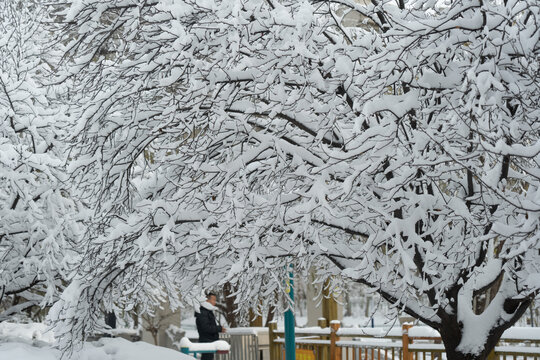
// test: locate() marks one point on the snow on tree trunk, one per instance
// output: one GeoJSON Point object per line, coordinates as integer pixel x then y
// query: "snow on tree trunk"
{"type": "Point", "coordinates": [223, 140]}
{"type": "Point", "coordinates": [473, 346]}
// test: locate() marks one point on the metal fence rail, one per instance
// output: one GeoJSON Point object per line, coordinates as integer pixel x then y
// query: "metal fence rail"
{"type": "Point", "coordinates": [243, 347]}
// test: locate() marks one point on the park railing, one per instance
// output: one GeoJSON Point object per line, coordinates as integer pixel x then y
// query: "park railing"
{"type": "Point", "coordinates": [246, 344]}
{"type": "Point", "coordinates": [408, 343]}
{"type": "Point", "coordinates": [216, 347]}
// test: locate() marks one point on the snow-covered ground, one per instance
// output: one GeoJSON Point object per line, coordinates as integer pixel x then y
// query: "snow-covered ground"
{"type": "Point", "coordinates": [34, 342]}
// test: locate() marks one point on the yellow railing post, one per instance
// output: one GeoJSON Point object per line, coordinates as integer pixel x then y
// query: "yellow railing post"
{"type": "Point", "coordinates": [335, 351]}
{"type": "Point", "coordinates": [406, 341]}
{"type": "Point", "coordinates": [322, 353]}
{"type": "Point", "coordinates": [274, 347]}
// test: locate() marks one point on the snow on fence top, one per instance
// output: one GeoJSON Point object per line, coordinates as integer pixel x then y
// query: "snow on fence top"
{"type": "Point", "coordinates": [423, 331]}
{"type": "Point", "coordinates": [219, 345]}
{"type": "Point", "coordinates": [522, 333]}
{"type": "Point", "coordinates": [514, 333]}
{"type": "Point", "coordinates": [314, 330]}
{"type": "Point", "coordinates": [370, 332]}
{"type": "Point", "coordinates": [248, 331]}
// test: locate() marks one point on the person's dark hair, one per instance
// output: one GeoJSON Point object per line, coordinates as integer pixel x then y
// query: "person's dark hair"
{"type": "Point", "coordinates": [208, 294]}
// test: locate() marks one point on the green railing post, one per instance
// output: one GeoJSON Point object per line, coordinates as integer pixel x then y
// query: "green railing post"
{"type": "Point", "coordinates": [290, 346]}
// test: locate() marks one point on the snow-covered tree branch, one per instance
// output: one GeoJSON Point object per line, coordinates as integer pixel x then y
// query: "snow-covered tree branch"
{"type": "Point", "coordinates": [37, 215]}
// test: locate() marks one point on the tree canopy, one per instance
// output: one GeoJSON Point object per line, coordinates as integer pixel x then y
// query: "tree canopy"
{"type": "Point", "coordinates": [221, 140]}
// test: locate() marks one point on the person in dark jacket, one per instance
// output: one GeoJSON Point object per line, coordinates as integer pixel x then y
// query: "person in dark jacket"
{"type": "Point", "coordinates": [206, 323]}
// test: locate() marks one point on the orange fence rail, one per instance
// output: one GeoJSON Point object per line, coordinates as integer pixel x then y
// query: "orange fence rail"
{"type": "Point", "coordinates": [408, 343]}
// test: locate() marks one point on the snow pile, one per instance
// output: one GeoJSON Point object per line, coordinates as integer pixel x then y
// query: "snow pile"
{"type": "Point", "coordinates": [34, 332]}
{"type": "Point", "coordinates": [104, 349]}
{"type": "Point", "coordinates": [23, 351]}
{"type": "Point", "coordinates": [34, 342]}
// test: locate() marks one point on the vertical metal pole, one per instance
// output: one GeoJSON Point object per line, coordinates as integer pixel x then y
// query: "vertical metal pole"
{"type": "Point", "coordinates": [290, 346]}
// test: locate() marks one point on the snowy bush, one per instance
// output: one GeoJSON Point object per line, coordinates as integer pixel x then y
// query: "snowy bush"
{"type": "Point", "coordinates": [37, 215]}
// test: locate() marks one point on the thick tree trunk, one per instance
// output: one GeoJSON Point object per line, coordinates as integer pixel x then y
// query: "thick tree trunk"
{"type": "Point", "coordinates": [270, 315]}
{"type": "Point", "coordinates": [451, 337]}
{"type": "Point", "coordinates": [229, 306]}
{"type": "Point", "coordinates": [452, 332]}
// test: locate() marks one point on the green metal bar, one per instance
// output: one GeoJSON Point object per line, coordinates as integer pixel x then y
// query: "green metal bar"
{"type": "Point", "coordinates": [290, 346]}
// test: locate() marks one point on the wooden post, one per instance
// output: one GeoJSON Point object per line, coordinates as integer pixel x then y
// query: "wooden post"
{"type": "Point", "coordinates": [492, 356]}
{"type": "Point", "coordinates": [274, 347]}
{"type": "Point", "coordinates": [335, 351]}
{"type": "Point", "coordinates": [322, 354]}
{"type": "Point", "coordinates": [405, 341]}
